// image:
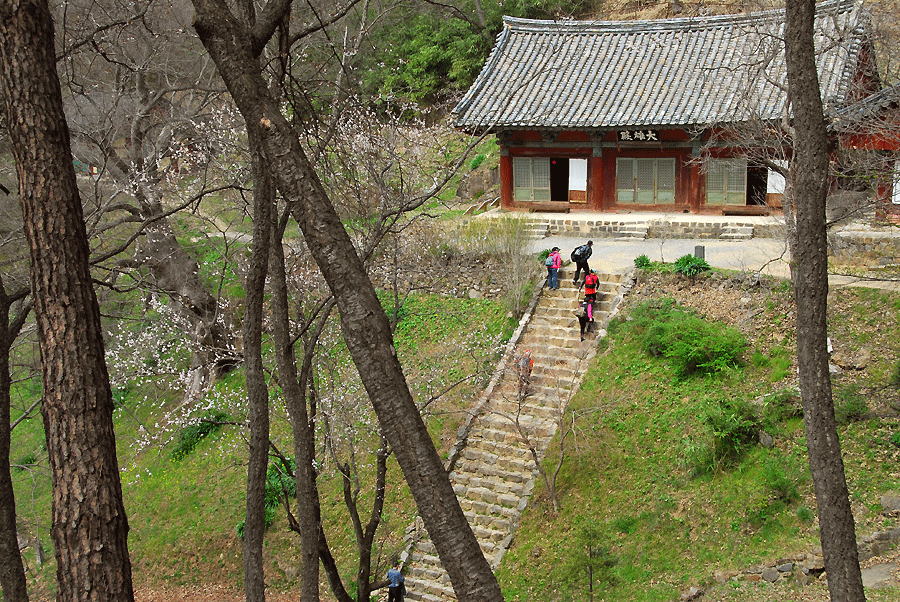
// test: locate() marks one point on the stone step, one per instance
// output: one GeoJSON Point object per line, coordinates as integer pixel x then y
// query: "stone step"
{"type": "Point", "coordinates": [501, 422]}
{"type": "Point", "coordinates": [505, 432]}
{"type": "Point", "coordinates": [497, 448]}
{"type": "Point", "coordinates": [542, 374]}
{"type": "Point", "coordinates": [423, 596]}
{"type": "Point", "coordinates": [462, 478]}
{"type": "Point", "coordinates": [566, 311]}
{"type": "Point", "coordinates": [495, 472]}
{"type": "Point", "coordinates": [737, 234]}
{"type": "Point", "coordinates": [523, 464]}
{"type": "Point", "coordinates": [533, 413]}
{"type": "Point", "coordinates": [560, 337]}
{"type": "Point", "coordinates": [427, 589]}
{"type": "Point", "coordinates": [484, 508]}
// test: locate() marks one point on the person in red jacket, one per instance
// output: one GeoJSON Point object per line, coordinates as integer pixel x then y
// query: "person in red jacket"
{"type": "Point", "coordinates": [590, 285]}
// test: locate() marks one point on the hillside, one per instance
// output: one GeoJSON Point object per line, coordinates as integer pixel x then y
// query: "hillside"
{"type": "Point", "coordinates": [633, 472]}
{"type": "Point", "coordinates": [629, 470]}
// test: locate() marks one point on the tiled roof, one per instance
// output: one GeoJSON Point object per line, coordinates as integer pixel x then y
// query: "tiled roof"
{"type": "Point", "coordinates": [599, 75]}
{"type": "Point", "coordinates": [867, 113]}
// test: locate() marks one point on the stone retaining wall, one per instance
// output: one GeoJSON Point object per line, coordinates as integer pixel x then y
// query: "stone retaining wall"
{"type": "Point", "coordinates": [803, 567]}
{"type": "Point", "coordinates": [880, 246]}
{"type": "Point", "coordinates": [693, 227]}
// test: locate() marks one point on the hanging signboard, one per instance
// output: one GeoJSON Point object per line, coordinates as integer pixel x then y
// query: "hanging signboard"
{"type": "Point", "coordinates": [638, 135]}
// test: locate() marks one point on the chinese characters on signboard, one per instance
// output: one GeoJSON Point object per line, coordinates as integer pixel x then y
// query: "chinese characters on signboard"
{"type": "Point", "coordinates": [638, 136]}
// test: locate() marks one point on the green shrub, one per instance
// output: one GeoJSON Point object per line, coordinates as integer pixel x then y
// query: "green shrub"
{"type": "Point", "coordinates": [191, 435]}
{"type": "Point", "coordinates": [778, 407]}
{"type": "Point", "coordinates": [782, 488]}
{"type": "Point", "coordinates": [476, 161]}
{"type": "Point", "coordinates": [895, 439]}
{"type": "Point", "coordinates": [280, 485]}
{"type": "Point", "coordinates": [689, 265]}
{"type": "Point", "coordinates": [27, 460]}
{"type": "Point", "coordinates": [804, 514]}
{"type": "Point", "coordinates": [689, 342]}
{"type": "Point", "coordinates": [734, 428]}
{"type": "Point", "coordinates": [849, 404]}
{"type": "Point", "coordinates": [590, 564]}
{"type": "Point", "coordinates": [642, 261]}
{"type": "Point", "coordinates": [625, 524]}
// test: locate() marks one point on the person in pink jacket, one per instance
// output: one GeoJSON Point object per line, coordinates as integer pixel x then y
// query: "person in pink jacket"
{"type": "Point", "coordinates": [553, 263]}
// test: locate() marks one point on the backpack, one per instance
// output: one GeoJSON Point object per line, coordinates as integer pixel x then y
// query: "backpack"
{"type": "Point", "coordinates": [578, 253]}
{"type": "Point", "coordinates": [581, 312]}
{"type": "Point", "coordinates": [549, 261]}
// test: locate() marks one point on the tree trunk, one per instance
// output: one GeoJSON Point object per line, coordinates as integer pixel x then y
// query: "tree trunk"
{"type": "Point", "coordinates": [809, 169]}
{"type": "Point", "coordinates": [90, 528]}
{"type": "Point", "coordinates": [12, 571]}
{"type": "Point", "coordinates": [177, 274]}
{"type": "Point", "coordinates": [365, 326]}
{"type": "Point", "coordinates": [293, 386]}
{"type": "Point", "coordinates": [257, 391]}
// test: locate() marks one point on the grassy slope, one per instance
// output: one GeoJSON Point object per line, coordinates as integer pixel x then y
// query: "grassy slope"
{"type": "Point", "coordinates": [630, 463]}
{"type": "Point", "coordinates": [183, 514]}
{"type": "Point", "coordinates": [628, 470]}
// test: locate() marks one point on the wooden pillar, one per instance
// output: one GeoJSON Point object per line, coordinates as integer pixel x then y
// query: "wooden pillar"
{"type": "Point", "coordinates": [696, 188]}
{"type": "Point", "coordinates": [595, 186]}
{"type": "Point", "coordinates": [506, 179]}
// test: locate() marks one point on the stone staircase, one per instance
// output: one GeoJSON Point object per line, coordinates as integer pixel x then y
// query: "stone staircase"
{"type": "Point", "coordinates": [737, 232]}
{"type": "Point", "coordinates": [492, 468]}
{"type": "Point", "coordinates": [538, 227]}
{"type": "Point", "coordinates": [632, 231]}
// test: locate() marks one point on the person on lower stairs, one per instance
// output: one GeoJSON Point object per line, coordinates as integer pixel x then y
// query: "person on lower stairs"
{"type": "Point", "coordinates": [585, 315]}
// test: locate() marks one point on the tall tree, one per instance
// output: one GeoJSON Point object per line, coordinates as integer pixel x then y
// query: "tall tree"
{"type": "Point", "coordinates": [236, 49]}
{"type": "Point", "coordinates": [809, 187]}
{"type": "Point", "coordinates": [12, 571]}
{"type": "Point", "coordinates": [90, 527]}
{"type": "Point", "coordinates": [257, 391]}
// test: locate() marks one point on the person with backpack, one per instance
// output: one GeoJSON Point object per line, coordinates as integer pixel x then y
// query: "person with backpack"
{"type": "Point", "coordinates": [585, 315]}
{"type": "Point", "coordinates": [580, 256]}
{"type": "Point", "coordinates": [524, 366]}
{"type": "Point", "coordinates": [590, 285]}
{"type": "Point", "coordinates": [553, 263]}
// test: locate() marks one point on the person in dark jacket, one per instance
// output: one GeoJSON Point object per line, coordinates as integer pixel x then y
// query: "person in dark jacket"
{"type": "Point", "coordinates": [580, 256]}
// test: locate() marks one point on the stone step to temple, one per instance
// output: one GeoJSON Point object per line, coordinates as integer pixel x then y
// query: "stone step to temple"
{"type": "Point", "coordinates": [509, 463]}
{"type": "Point", "coordinates": [736, 232]}
{"type": "Point", "coordinates": [509, 426]}
{"type": "Point", "coordinates": [636, 231]}
{"type": "Point", "coordinates": [486, 509]}
{"type": "Point", "coordinates": [468, 480]}
{"type": "Point", "coordinates": [513, 435]}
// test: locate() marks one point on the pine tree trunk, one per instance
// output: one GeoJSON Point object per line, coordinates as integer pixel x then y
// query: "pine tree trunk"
{"type": "Point", "coordinates": [257, 391]}
{"type": "Point", "coordinates": [89, 528]}
{"type": "Point", "coordinates": [365, 326]}
{"type": "Point", "coordinates": [809, 170]}
{"type": "Point", "coordinates": [12, 571]}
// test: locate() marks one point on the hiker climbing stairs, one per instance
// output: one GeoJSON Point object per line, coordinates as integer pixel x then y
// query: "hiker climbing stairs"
{"type": "Point", "coordinates": [494, 474]}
